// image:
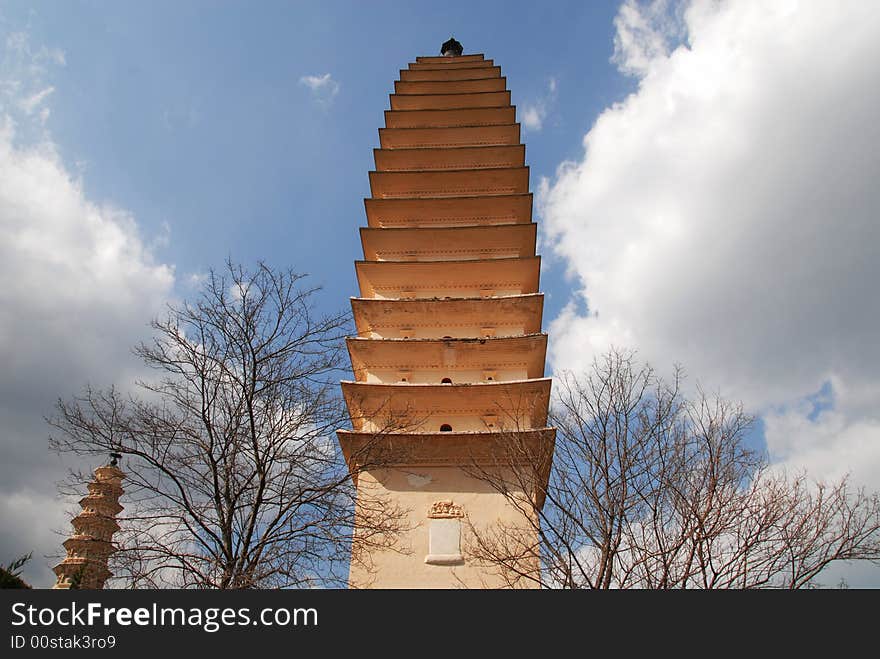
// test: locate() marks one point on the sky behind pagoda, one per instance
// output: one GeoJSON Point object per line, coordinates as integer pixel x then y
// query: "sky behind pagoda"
{"type": "Point", "coordinates": [705, 175]}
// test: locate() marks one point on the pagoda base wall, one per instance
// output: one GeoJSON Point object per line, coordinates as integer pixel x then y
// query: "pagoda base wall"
{"type": "Point", "coordinates": [424, 555]}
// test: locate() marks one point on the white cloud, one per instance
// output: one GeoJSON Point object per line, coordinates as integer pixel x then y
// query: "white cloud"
{"type": "Point", "coordinates": [30, 103]}
{"type": "Point", "coordinates": [534, 114]}
{"type": "Point", "coordinates": [725, 216]}
{"type": "Point", "coordinates": [532, 118]}
{"type": "Point", "coordinates": [323, 87]}
{"type": "Point", "coordinates": [195, 280]}
{"type": "Point", "coordinates": [24, 91]}
{"type": "Point", "coordinates": [645, 33]}
{"type": "Point", "coordinates": [18, 45]}
{"type": "Point", "coordinates": [79, 286]}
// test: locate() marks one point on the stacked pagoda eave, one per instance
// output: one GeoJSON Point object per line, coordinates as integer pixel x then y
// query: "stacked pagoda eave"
{"type": "Point", "coordinates": [449, 183]}
{"type": "Point", "coordinates": [511, 315]}
{"type": "Point", "coordinates": [460, 156]}
{"type": "Point", "coordinates": [427, 243]}
{"type": "Point", "coordinates": [449, 211]}
{"type": "Point", "coordinates": [449, 278]}
{"type": "Point", "coordinates": [449, 73]}
{"type": "Point", "coordinates": [486, 358]}
{"type": "Point", "coordinates": [463, 62]}
{"type": "Point", "coordinates": [481, 448]}
{"type": "Point", "coordinates": [421, 407]}
{"type": "Point", "coordinates": [451, 117]}
{"type": "Point", "coordinates": [445, 87]}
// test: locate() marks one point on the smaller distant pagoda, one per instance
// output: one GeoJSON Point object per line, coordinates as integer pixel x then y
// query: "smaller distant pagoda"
{"type": "Point", "coordinates": [90, 546]}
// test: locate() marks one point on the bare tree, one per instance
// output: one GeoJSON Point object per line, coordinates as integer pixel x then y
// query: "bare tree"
{"type": "Point", "coordinates": [233, 475]}
{"type": "Point", "coordinates": [649, 489]}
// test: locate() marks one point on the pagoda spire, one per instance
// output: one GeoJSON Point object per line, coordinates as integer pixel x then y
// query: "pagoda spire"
{"type": "Point", "coordinates": [451, 48]}
{"type": "Point", "coordinates": [90, 546]}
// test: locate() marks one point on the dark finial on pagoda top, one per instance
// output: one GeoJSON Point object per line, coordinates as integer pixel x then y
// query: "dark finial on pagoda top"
{"type": "Point", "coordinates": [451, 48]}
{"type": "Point", "coordinates": [115, 459]}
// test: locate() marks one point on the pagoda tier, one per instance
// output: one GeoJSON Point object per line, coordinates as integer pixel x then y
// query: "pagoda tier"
{"type": "Point", "coordinates": [434, 448]}
{"type": "Point", "coordinates": [413, 449]}
{"type": "Point", "coordinates": [429, 361]}
{"type": "Point", "coordinates": [422, 87]}
{"type": "Point", "coordinates": [431, 65]}
{"type": "Point", "coordinates": [449, 101]}
{"type": "Point", "coordinates": [421, 279]}
{"type": "Point", "coordinates": [445, 60]}
{"type": "Point", "coordinates": [471, 406]}
{"type": "Point", "coordinates": [449, 359]}
{"type": "Point", "coordinates": [513, 315]}
{"type": "Point", "coordinates": [95, 523]}
{"type": "Point", "coordinates": [464, 157]}
{"type": "Point", "coordinates": [451, 118]}
{"type": "Point", "coordinates": [445, 73]}
{"type": "Point", "coordinates": [451, 183]}
{"type": "Point", "coordinates": [90, 546]}
{"type": "Point", "coordinates": [449, 211]}
{"type": "Point", "coordinates": [461, 136]}
{"type": "Point", "coordinates": [448, 243]}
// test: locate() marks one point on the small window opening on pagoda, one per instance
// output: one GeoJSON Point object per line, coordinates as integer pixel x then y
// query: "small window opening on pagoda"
{"type": "Point", "coordinates": [445, 428]}
{"type": "Point", "coordinates": [446, 381]}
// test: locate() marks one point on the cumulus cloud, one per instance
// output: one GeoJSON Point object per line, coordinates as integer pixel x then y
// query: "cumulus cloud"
{"type": "Point", "coordinates": [534, 114]}
{"type": "Point", "coordinates": [80, 284]}
{"type": "Point", "coordinates": [23, 89]}
{"type": "Point", "coordinates": [323, 87]}
{"type": "Point", "coordinates": [645, 33]}
{"type": "Point", "coordinates": [839, 436]}
{"type": "Point", "coordinates": [31, 103]}
{"type": "Point", "coordinates": [724, 216]}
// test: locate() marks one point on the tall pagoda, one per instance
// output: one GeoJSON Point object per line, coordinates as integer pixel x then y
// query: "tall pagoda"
{"type": "Point", "coordinates": [449, 355]}
{"type": "Point", "coordinates": [91, 545]}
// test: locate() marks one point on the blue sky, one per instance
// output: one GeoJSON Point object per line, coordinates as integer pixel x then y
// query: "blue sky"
{"type": "Point", "coordinates": [191, 115]}
{"type": "Point", "coordinates": [705, 175]}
